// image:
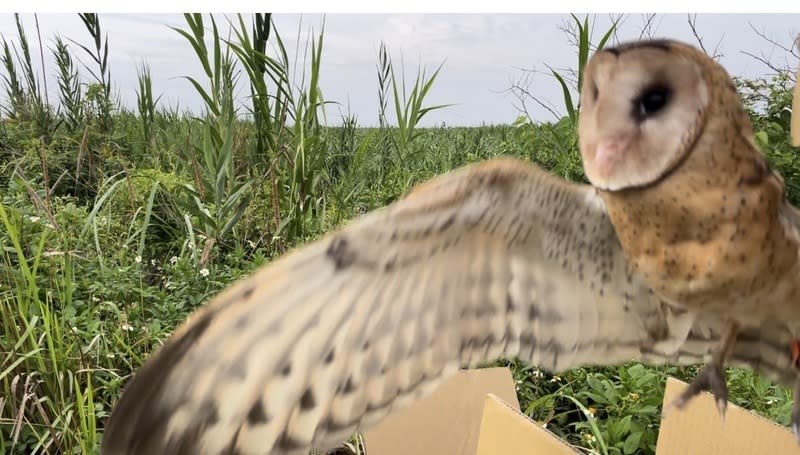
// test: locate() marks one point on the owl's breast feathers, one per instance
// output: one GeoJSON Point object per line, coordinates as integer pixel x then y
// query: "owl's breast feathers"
{"type": "Point", "coordinates": [714, 236]}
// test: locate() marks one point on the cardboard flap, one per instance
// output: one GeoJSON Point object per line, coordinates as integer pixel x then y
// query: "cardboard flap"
{"type": "Point", "coordinates": [698, 429]}
{"type": "Point", "coordinates": [505, 430]}
{"type": "Point", "coordinates": [476, 412]}
{"type": "Point", "coordinates": [448, 421]}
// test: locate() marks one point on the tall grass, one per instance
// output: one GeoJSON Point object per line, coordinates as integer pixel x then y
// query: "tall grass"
{"type": "Point", "coordinates": [270, 108]}
{"type": "Point", "coordinates": [28, 100]}
{"type": "Point", "coordinates": [48, 404]}
{"type": "Point", "coordinates": [102, 74]}
{"type": "Point", "coordinates": [13, 85]}
{"type": "Point", "coordinates": [220, 192]}
{"type": "Point", "coordinates": [409, 107]}
{"type": "Point", "coordinates": [146, 104]}
{"type": "Point", "coordinates": [69, 87]}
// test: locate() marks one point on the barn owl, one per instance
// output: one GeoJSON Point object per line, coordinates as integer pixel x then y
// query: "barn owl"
{"type": "Point", "coordinates": [681, 250]}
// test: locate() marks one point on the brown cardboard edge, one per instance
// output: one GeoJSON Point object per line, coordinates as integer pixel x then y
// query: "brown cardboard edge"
{"type": "Point", "coordinates": [529, 420]}
{"type": "Point", "coordinates": [538, 429]}
{"type": "Point", "coordinates": [759, 417]}
{"type": "Point", "coordinates": [697, 429]}
{"type": "Point", "coordinates": [467, 386]}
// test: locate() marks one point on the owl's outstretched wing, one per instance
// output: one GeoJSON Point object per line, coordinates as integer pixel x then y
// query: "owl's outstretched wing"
{"type": "Point", "coordinates": [495, 259]}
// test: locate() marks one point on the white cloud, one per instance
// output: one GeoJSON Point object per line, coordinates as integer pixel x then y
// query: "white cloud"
{"type": "Point", "coordinates": [482, 52]}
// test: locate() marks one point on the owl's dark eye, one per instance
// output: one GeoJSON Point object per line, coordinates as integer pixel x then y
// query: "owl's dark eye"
{"type": "Point", "coordinates": [651, 101]}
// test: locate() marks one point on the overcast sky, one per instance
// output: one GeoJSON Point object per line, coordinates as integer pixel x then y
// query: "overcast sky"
{"type": "Point", "coordinates": [483, 54]}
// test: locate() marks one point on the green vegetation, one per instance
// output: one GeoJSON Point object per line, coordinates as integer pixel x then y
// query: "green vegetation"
{"type": "Point", "coordinates": [116, 224]}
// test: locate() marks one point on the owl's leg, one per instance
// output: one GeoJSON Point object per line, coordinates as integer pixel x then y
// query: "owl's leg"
{"type": "Point", "coordinates": [796, 403]}
{"type": "Point", "coordinates": [712, 376]}
{"type": "Point", "coordinates": [796, 410]}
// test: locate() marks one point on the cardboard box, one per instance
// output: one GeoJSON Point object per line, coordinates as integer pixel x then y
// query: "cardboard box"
{"type": "Point", "coordinates": [476, 412]}
{"type": "Point", "coordinates": [448, 421]}
{"type": "Point", "coordinates": [505, 429]}
{"type": "Point", "coordinates": [699, 429]}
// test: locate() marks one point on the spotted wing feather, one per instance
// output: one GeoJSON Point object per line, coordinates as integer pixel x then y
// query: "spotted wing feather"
{"type": "Point", "coordinates": [495, 259]}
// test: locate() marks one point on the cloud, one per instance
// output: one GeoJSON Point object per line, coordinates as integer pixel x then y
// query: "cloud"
{"type": "Point", "coordinates": [482, 53]}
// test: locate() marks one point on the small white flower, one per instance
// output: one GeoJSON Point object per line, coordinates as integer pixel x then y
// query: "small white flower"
{"type": "Point", "coordinates": [138, 259]}
{"type": "Point", "coordinates": [153, 262]}
{"type": "Point", "coordinates": [191, 245]}
{"type": "Point", "coordinates": [49, 226]}
{"type": "Point", "coordinates": [173, 260]}
{"type": "Point", "coordinates": [204, 272]}
{"type": "Point", "coordinates": [110, 355]}
{"type": "Point", "coordinates": [74, 329]}
{"type": "Point", "coordinates": [95, 299]}
{"type": "Point", "coordinates": [35, 219]}
{"type": "Point", "coordinates": [126, 327]}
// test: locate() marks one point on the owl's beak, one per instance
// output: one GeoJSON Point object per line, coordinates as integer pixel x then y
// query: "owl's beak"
{"type": "Point", "coordinates": [609, 153]}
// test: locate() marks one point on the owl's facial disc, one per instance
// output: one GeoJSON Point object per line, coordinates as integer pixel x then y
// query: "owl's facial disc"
{"type": "Point", "coordinates": [640, 109]}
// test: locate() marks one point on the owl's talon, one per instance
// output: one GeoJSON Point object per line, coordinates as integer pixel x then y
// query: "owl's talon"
{"type": "Point", "coordinates": [796, 429]}
{"type": "Point", "coordinates": [711, 378]}
{"type": "Point", "coordinates": [796, 411]}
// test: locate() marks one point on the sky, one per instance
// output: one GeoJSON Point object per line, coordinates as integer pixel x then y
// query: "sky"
{"type": "Point", "coordinates": [482, 55]}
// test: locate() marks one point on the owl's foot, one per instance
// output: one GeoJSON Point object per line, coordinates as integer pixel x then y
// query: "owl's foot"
{"type": "Point", "coordinates": [712, 376]}
{"type": "Point", "coordinates": [796, 404]}
{"type": "Point", "coordinates": [796, 411]}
